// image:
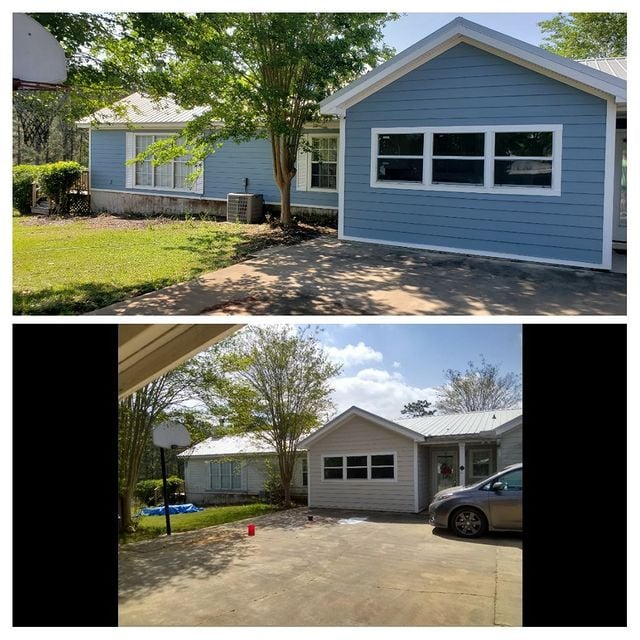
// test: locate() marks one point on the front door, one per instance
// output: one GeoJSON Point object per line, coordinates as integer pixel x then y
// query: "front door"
{"type": "Point", "coordinates": [444, 463]}
{"type": "Point", "coordinates": [620, 188]}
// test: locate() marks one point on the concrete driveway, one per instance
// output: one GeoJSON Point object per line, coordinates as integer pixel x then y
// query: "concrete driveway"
{"type": "Point", "coordinates": [328, 276]}
{"type": "Point", "coordinates": [342, 569]}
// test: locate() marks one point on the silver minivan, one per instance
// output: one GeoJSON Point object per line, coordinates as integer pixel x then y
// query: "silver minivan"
{"type": "Point", "coordinates": [493, 504]}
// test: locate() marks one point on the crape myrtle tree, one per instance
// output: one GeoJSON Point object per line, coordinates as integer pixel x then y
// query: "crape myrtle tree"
{"type": "Point", "coordinates": [261, 75]}
{"type": "Point", "coordinates": [272, 382]}
{"type": "Point", "coordinates": [479, 388]}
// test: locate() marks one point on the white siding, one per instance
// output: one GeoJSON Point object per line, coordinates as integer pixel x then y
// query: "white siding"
{"type": "Point", "coordinates": [423, 477]}
{"type": "Point", "coordinates": [510, 449]}
{"type": "Point", "coordinates": [359, 436]}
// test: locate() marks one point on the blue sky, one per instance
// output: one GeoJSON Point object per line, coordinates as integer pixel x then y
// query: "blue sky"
{"type": "Point", "coordinates": [411, 27]}
{"type": "Point", "coordinates": [388, 365]}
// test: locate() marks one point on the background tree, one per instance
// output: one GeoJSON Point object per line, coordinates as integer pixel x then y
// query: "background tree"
{"type": "Point", "coordinates": [271, 382]}
{"type": "Point", "coordinates": [586, 35]}
{"type": "Point", "coordinates": [261, 75]}
{"type": "Point", "coordinates": [417, 409]}
{"type": "Point", "coordinates": [137, 416]}
{"type": "Point", "coordinates": [479, 388]}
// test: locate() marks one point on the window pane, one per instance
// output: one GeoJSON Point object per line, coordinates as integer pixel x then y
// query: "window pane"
{"type": "Point", "coordinates": [531, 143]}
{"type": "Point", "coordinates": [333, 474]}
{"type": "Point", "coordinates": [333, 462]}
{"type": "Point", "coordinates": [512, 480]}
{"type": "Point", "coordinates": [356, 461]}
{"type": "Point", "coordinates": [481, 464]}
{"type": "Point", "coordinates": [164, 175]}
{"type": "Point", "coordinates": [142, 142]}
{"type": "Point", "coordinates": [384, 460]}
{"type": "Point", "coordinates": [381, 472]}
{"type": "Point", "coordinates": [535, 173]}
{"type": "Point", "coordinates": [458, 144]}
{"type": "Point", "coordinates": [458, 171]}
{"type": "Point", "coordinates": [358, 473]}
{"type": "Point", "coordinates": [144, 173]}
{"type": "Point", "coordinates": [236, 479]}
{"type": "Point", "coordinates": [180, 171]}
{"type": "Point", "coordinates": [400, 170]}
{"type": "Point", "coordinates": [400, 144]}
{"type": "Point", "coordinates": [323, 175]}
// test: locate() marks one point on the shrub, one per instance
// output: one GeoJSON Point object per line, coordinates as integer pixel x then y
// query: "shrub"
{"type": "Point", "coordinates": [55, 180]}
{"type": "Point", "coordinates": [23, 177]}
{"type": "Point", "coordinates": [147, 490]}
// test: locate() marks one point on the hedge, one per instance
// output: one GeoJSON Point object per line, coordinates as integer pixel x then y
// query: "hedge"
{"type": "Point", "coordinates": [55, 180]}
{"type": "Point", "coordinates": [24, 175]}
{"type": "Point", "coordinates": [147, 490]}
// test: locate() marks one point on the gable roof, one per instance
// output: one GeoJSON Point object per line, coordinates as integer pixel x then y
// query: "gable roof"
{"type": "Point", "coordinates": [227, 446]}
{"type": "Point", "coordinates": [372, 417]}
{"type": "Point", "coordinates": [462, 30]}
{"type": "Point", "coordinates": [464, 424]}
{"type": "Point", "coordinates": [142, 109]}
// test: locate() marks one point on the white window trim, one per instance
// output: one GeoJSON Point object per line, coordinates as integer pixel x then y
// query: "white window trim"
{"type": "Point", "coordinates": [309, 157]}
{"type": "Point", "coordinates": [489, 142]}
{"type": "Point", "coordinates": [344, 457]}
{"type": "Point", "coordinates": [195, 188]}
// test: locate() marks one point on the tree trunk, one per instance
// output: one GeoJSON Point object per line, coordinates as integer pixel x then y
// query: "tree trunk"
{"type": "Point", "coordinates": [127, 520]}
{"type": "Point", "coordinates": [284, 172]}
{"type": "Point", "coordinates": [285, 204]}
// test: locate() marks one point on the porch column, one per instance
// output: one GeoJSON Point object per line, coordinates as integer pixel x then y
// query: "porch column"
{"type": "Point", "coordinates": [461, 462]}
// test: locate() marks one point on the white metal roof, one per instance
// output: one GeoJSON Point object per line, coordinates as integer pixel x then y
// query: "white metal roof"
{"type": "Point", "coordinates": [142, 109]}
{"type": "Point", "coordinates": [226, 446]}
{"type": "Point", "coordinates": [615, 66]}
{"type": "Point", "coordinates": [460, 424]}
{"type": "Point", "coordinates": [462, 30]}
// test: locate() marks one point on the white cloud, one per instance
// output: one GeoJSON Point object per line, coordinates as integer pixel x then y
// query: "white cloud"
{"type": "Point", "coordinates": [353, 354]}
{"type": "Point", "coordinates": [378, 391]}
{"type": "Point", "coordinates": [396, 365]}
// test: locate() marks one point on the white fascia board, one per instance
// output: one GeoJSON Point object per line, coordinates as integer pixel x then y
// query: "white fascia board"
{"type": "Point", "coordinates": [371, 417]}
{"type": "Point", "coordinates": [459, 31]}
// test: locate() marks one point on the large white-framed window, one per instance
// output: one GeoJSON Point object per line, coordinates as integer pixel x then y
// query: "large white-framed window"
{"type": "Point", "coordinates": [317, 163]}
{"type": "Point", "coordinates": [504, 159]}
{"type": "Point", "coordinates": [360, 466]}
{"type": "Point", "coordinates": [225, 475]}
{"type": "Point", "coordinates": [170, 176]}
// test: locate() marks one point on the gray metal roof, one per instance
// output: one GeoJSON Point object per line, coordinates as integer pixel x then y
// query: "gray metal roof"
{"type": "Point", "coordinates": [226, 446]}
{"type": "Point", "coordinates": [141, 109]}
{"type": "Point", "coordinates": [614, 66]}
{"type": "Point", "coordinates": [460, 424]}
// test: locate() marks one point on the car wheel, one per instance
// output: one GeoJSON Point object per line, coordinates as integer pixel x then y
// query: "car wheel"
{"type": "Point", "coordinates": [468, 522]}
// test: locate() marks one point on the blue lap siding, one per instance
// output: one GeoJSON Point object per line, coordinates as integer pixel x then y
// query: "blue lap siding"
{"type": "Point", "coordinates": [224, 171]}
{"type": "Point", "coordinates": [468, 86]}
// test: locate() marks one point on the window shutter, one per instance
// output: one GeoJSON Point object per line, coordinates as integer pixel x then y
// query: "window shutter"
{"type": "Point", "coordinates": [198, 185]}
{"type": "Point", "coordinates": [302, 169]}
{"type": "Point", "coordinates": [130, 168]}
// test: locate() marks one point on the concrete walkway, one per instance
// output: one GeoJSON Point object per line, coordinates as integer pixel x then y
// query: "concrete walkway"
{"type": "Point", "coordinates": [326, 276]}
{"type": "Point", "coordinates": [342, 569]}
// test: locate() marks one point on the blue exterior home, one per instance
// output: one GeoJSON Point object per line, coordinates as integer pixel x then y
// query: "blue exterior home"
{"type": "Point", "coordinates": [470, 141]}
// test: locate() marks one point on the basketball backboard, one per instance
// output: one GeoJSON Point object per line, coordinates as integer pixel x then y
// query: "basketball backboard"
{"type": "Point", "coordinates": [38, 59]}
{"type": "Point", "coordinates": [171, 435]}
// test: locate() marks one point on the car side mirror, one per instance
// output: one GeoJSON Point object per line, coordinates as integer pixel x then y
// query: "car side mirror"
{"type": "Point", "coordinates": [497, 486]}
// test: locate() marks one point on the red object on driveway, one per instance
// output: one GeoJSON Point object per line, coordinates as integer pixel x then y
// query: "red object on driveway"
{"type": "Point", "coordinates": [251, 530]}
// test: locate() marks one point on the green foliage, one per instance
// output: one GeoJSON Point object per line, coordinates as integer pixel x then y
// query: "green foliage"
{"type": "Point", "coordinates": [479, 388]}
{"type": "Point", "coordinates": [417, 409]}
{"type": "Point", "coordinates": [24, 175]}
{"type": "Point", "coordinates": [586, 35]}
{"type": "Point", "coordinates": [55, 181]}
{"type": "Point", "coordinates": [148, 491]}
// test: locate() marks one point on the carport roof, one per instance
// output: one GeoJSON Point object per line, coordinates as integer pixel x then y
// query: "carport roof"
{"type": "Point", "coordinates": [462, 424]}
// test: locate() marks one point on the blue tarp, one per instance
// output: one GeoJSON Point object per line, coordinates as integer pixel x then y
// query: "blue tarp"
{"type": "Point", "coordinates": [173, 508]}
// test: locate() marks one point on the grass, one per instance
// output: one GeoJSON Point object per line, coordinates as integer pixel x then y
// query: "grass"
{"type": "Point", "coordinates": [76, 266]}
{"type": "Point", "coordinates": [154, 526]}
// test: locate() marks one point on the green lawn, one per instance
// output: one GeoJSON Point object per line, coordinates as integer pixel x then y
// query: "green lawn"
{"type": "Point", "coordinates": [154, 526]}
{"type": "Point", "coordinates": [76, 266]}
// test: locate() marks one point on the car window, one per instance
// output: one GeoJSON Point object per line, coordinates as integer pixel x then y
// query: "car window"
{"type": "Point", "coordinates": [512, 480]}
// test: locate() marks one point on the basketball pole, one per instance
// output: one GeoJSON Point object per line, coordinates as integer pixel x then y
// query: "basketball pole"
{"type": "Point", "coordinates": [165, 491]}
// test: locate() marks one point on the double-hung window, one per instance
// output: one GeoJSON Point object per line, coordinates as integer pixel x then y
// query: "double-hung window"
{"type": "Point", "coordinates": [518, 159]}
{"type": "Point", "coordinates": [169, 176]}
{"type": "Point", "coordinates": [225, 475]}
{"type": "Point", "coordinates": [376, 466]}
{"type": "Point", "coordinates": [324, 162]}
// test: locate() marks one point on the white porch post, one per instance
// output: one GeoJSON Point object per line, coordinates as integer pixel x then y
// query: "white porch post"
{"type": "Point", "coordinates": [461, 462]}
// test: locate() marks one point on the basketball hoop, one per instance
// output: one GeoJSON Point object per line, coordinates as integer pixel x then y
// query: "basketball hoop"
{"type": "Point", "coordinates": [35, 111]}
